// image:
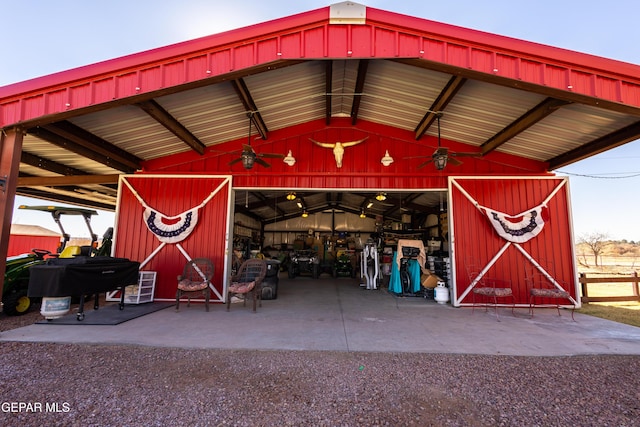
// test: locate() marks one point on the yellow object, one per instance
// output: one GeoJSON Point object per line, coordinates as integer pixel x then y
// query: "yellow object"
{"type": "Point", "coordinates": [70, 252]}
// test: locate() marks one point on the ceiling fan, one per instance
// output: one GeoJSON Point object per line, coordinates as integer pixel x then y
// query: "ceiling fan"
{"type": "Point", "coordinates": [442, 156]}
{"type": "Point", "coordinates": [249, 157]}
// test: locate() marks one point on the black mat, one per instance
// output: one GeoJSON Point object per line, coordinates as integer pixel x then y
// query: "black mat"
{"type": "Point", "coordinates": [108, 314]}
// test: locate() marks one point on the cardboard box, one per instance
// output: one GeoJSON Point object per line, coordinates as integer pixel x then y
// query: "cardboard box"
{"type": "Point", "coordinates": [429, 281]}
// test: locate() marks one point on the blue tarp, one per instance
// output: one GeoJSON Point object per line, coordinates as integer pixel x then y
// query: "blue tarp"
{"type": "Point", "coordinates": [395, 283]}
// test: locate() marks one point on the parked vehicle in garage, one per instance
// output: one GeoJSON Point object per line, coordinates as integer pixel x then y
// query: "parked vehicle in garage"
{"type": "Point", "coordinates": [304, 262]}
{"type": "Point", "coordinates": [343, 267]}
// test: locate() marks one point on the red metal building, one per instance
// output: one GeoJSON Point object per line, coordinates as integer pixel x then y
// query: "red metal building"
{"type": "Point", "coordinates": [169, 125]}
{"type": "Point", "coordinates": [27, 237]}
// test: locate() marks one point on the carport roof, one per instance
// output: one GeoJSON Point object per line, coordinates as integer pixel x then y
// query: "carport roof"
{"type": "Point", "coordinates": [496, 94]}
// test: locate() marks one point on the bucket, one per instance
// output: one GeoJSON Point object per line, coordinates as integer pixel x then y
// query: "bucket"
{"type": "Point", "coordinates": [52, 308]}
{"type": "Point", "coordinates": [441, 293]}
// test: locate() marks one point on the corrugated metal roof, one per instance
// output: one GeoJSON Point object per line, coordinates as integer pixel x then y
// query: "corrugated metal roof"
{"type": "Point", "coordinates": [283, 66]}
{"type": "Point", "coordinates": [32, 230]}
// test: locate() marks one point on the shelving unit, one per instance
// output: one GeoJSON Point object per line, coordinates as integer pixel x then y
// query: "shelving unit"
{"type": "Point", "coordinates": [139, 293]}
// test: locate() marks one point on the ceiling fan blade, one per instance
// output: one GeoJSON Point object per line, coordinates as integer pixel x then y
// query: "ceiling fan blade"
{"type": "Point", "coordinates": [262, 162]}
{"type": "Point", "coordinates": [234, 161]}
{"type": "Point", "coordinates": [271, 155]}
{"type": "Point", "coordinates": [421, 165]}
{"type": "Point", "coordinates": [454, 162]}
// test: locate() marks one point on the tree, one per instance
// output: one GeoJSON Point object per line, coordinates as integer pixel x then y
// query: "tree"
{"type": "Point", "coordinates": [595, 242]}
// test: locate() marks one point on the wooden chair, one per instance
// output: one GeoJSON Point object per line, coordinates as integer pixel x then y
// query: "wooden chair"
{"type": "Point", "coordinates": [489, 290]}
{"type": "Point", "coordinates": [542, 286]}
{"type": "Point", "coordinates": [194, 281]}
{"type": "Point", "coordinates": [248, 281]}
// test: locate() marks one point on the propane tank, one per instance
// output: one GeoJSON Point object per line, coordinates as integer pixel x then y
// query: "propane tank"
{"type": "Point", "coordinates": [441, 293]}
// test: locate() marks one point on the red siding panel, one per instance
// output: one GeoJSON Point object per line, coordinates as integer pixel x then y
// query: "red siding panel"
{"type": "Point", "coordinates": [338, 41]}
{"type": "Point", "coordinates": [291, 46]}
{"type": "Point", "coordinates": [150, 79]}
{"type": "Point", "coordinates": [474, 241]}
{"type": "Point", "coordinates": [104, 90]}
{"type": "Point", "coordinates": [197, 67]}
{"type": "Point", "coordinates": [21, 244]}
{"type": "Point", "coordinates": [316, 166]}
{"type": "Point", "coordinates": [171, 196]}
{"type": "Point", "coordinates": [312, 44]}
{"type": "Point", "coordinates": [483, 60]}
{"type": "Point", "coordinates": [309, 35]}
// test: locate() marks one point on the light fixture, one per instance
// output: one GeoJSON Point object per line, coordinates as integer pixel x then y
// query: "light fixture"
{"type": "Point", "coordinates": [362, 214]}
{"type": "Point", "coordinates": [439, 157]}
{"type": "Point", "coordinates": [291, 196]}
{"type": "Point", "coordinates": [386, 159]}
{"type": "Point", "coordinates": [381, 197]}
{"type": "Point", "coordinates": [305, 214]}
{"type": "Point", "coordinates": [299, 203]}
{"type": "Point", "coordinates": [439, 160]}
{"type": "Point", "coordinates": [289, 159]}
{"type": "Point", "coordinates": [369, 204]}
{"type": "Point", "coordinates": [248, 159]}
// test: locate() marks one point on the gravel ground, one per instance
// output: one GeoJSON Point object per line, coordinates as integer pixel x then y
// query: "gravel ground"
{"type": "Point", "coordinates": [127, 385]}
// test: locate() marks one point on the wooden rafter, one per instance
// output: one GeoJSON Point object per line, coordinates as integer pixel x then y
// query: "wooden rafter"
{"type": "Point", "coordinates": [26, 181]}
{"type": "Point", "coordinates": [523, 85]}
{"type": "Point", "coordinates": [528, 119]}
{"type": "Point", "coordinates": [70, 137]}
{"type": "Point", "coordinates": [40, 193]}
{"type": "Point", "coordinates": [250, 106]}
{"type": "Point", "coordinates": [49, 165]}
{"type": "Point", "coordinates": [612, 140]}
{"type": "Point", "coordinates": [363, 65]}
{"type": "Point", "coordinates": [162, 116]}
{"type": "Point", "coordinates": [90, 141]}
{"type": "Point", "coordinates": [446, 95]}
{"type": "Point", "coordinates": [328, 88]}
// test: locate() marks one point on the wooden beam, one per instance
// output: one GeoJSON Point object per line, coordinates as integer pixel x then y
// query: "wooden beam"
{"type": "Point", "coordinates": [83, 138]}
{"type": "Point", "coordinates": [49, 165]}
{"type": "Point", "coordinates": [363, 65]}
{"type": "Point", "coordinates": [46, 133]}
{"type": "Point", "coordinates": [250, 106]}
{"type": "Point", "coordinates": [524, 122]}
{"type": "Point", "coordinates": [523, 85]}
{"type": "Point", "coordinates": [32, 181]}
{"type": "Point", "coordinates": [612, 140]}
{"type": "Point", "coordinates": [328, 88]}
{"type": "Point", "coordinates": [163, 117]}
{"type": "Point", "coordinates": [40, 193]}
{"type": "Point", "coordinates": [446, 95]}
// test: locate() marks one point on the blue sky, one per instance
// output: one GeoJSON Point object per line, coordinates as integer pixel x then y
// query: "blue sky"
{"type": "Point", "coordinates": [43, 37]}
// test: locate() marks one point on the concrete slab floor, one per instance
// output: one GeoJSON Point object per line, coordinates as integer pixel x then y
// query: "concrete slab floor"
{"type": "Point", "coordinates": [339, 315]}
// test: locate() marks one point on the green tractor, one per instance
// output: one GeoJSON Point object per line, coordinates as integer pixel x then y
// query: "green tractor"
{"type": "Point", "coordinates": [16, 277]}
{"type": "Point", "coordinates": [16, 281]}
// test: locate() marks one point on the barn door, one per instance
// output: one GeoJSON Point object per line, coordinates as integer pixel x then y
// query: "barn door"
{"type": "Point", "coordinates": [506, 227]}
{"type": "Point", "coordinates": [163, 221]}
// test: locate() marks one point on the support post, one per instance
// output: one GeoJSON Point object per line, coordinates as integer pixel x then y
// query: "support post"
{"type": "Point", "coordinates": [10, 152]}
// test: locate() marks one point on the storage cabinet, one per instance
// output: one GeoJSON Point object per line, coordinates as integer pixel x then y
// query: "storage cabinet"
{"type": "Point", "coordinates": [139, 293]}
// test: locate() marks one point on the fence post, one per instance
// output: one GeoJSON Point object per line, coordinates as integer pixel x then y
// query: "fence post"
{"type": "Point", "coordinates": [583, 284]}
{"type": "Point", "coordinates": [636, 286]}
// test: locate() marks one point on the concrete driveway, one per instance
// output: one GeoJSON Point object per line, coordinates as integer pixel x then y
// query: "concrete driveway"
{"type": "Point", "coordinates": [339, 315]}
